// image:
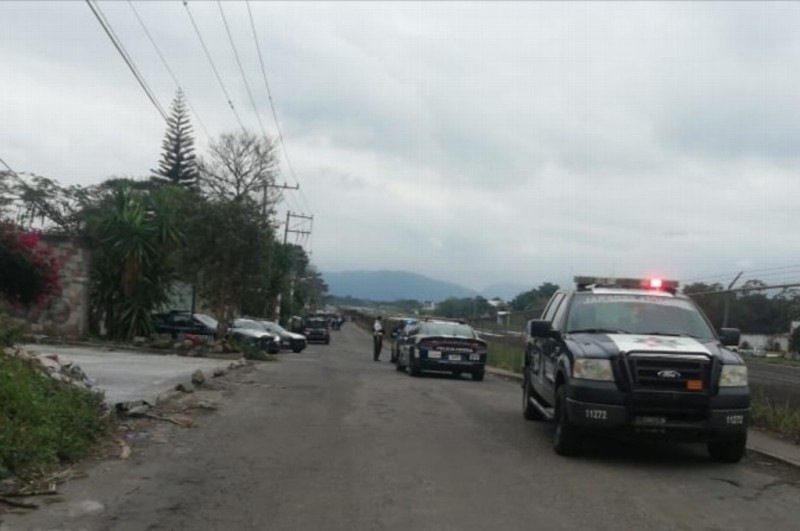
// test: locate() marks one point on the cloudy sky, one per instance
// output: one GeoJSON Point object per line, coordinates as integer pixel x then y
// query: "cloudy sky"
{"type": "Point", "coordinates": [472, 142]}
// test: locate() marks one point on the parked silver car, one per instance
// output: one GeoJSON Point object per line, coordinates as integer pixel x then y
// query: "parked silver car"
{"type": "Point", "coordinates": [253, 333]}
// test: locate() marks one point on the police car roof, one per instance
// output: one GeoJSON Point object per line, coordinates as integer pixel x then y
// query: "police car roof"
{"type": "Point", "coordinates": [620, 291]}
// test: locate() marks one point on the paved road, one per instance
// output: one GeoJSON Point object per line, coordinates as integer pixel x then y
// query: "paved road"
{"type": "Point", "coordinates": [329, 440]}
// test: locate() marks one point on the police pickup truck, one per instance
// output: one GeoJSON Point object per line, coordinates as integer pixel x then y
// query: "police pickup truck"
{"type": "Point", "coordinates": [634, 357]}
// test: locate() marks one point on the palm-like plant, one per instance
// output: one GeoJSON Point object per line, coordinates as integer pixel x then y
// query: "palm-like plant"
{"type": "Point", "coordinates": [136, 235]}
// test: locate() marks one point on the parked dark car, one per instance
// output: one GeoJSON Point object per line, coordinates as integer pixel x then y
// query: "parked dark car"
{"type": "Point", "coordinates": [317, 329]}
{"type": "Point", "coordinates": [289, 340]}
{"type": "Point", "coordinates": [443, 346]}
{"type": "Point", "coordinates": [179, 323]}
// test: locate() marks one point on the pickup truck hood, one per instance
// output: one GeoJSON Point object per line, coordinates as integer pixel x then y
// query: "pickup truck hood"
{"type": "Point", "coordinates": [608, 345]}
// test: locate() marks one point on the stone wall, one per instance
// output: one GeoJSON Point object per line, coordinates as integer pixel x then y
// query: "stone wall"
{"type": "Point", "coordinates": [66, 314]}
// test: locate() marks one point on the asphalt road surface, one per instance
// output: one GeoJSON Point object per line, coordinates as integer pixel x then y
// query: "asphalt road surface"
{"type": "Point", "coordinates": [329, 440]}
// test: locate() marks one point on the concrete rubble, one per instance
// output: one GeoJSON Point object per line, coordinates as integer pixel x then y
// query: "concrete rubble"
{"type": "Point", "coordinates": [56, 368]}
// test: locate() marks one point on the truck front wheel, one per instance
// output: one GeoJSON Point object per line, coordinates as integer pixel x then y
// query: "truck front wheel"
{"type": "Point", "coordinates": [566, 438]}
{"type": "Point", "coordinates": [728, 450]}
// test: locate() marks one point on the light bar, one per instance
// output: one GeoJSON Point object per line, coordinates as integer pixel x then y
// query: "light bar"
{"type": "Point", "coordinates": [627, 283]}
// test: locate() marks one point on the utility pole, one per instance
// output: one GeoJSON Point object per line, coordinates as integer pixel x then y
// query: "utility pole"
{"type": "Point", "coordinates": [286, 231]}
{"type": "Point", "coordinates": [728, 300]}
{"type": "Point", "coordinates": [283, 186]}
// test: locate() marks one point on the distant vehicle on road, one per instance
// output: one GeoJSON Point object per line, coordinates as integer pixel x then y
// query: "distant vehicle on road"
{"type": "Point", "coordinates": [317, 329]}
{"type": "Point", "coordinates": [633, 357]}
{"type": "Point", "coordinates": [443, 346]}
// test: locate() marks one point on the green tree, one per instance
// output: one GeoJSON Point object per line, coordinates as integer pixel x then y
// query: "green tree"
{"type": "Point", "coordinates": [136, 237]}
{"type": "Point", "coordinates": [534, 299]}
{"type": "Point", "coordinates": [231, 250]}
{"type": "Point", "coordinates": [462, 308]}
{"type": "Point", "coordinates": [178, 164]}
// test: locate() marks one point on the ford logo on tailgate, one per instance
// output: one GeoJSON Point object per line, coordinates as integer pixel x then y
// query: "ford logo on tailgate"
{"type": "Point", "coordinates": [668, 373]}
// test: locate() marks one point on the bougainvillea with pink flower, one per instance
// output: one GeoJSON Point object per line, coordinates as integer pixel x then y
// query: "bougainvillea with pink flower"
{"type": "Point", "coordinates": [29, 272]}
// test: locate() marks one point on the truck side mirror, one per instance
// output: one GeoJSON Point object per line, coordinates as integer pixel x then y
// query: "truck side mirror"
{"type": "Point", "coordinates": [540, 328]}
{"type": "Point", "coordinates": [729, 337]}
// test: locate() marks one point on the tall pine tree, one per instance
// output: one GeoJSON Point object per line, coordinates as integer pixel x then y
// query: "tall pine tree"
{"type": "Point", "coordinates": [177, 164]}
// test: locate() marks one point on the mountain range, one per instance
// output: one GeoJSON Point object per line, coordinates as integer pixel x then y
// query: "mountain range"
{"type": "Point", "coordinates": [397, 285]}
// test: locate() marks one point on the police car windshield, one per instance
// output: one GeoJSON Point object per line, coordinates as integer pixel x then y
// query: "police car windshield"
{"type": "Point", "coordinates": [448, 329]}
{"type": "Point", "coordinates": [637, 314]}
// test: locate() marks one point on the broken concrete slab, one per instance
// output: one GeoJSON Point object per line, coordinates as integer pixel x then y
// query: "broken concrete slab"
{"type": "Point", "coordinates": [128, 377]}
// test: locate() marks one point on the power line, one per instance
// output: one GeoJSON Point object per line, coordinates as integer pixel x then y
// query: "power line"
{"type": "Point", "coordinates": [274, 115]}
{"type": "Point", "coordinates": [744, 289]}
{"type": "Point", "coordinates": [213, 66]}
{"type": "Point", "coordinates": [166, 65]}
{"type": "Point", "coordinates": [281, 196]}
{"type": "Point", "coordinates": [241, 68]}
{"type": "Point", "coordinates": [748, 273]}
{"type": "Point", "coordinates": [125, 56]}
{"type": "Point", "coordinates": [272, 106]}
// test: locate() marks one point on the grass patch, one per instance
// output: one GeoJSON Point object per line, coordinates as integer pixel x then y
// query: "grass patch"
{"type": "Point", "coordinates": [786, 362]}
{"type": "Point", "coordinates": [779, 418]}
{"type": "Point", "coordinates": [44, 423]}
{"type": "Point", "coordinates": [504, 356]}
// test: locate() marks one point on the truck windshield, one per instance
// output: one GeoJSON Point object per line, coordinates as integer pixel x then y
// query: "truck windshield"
{"type": "Point", "coordinates": [637, 314]}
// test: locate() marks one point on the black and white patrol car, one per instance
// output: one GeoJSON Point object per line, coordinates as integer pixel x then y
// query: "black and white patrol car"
{"type": "Point", "coordinates": [634, 357]}
{"type": "Point", "coordinates": [442, 346]}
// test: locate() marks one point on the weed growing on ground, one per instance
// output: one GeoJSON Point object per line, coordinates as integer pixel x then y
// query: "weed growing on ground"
{"type": "Point", "coordinates": [43, 422]}
{"type": "Point", "coordinates": [780, 418]}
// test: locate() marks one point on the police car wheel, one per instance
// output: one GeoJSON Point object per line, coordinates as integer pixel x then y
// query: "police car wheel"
{"type": "Point", "coordinates": [413, 367]}
{"type": "Point", "coordinates": [478, 374]}
{"type": "Point", "coordinates": [528, 410]}
{"type": "Point", "coordinates": [566, 440]}
{"type": "Point", "coordinates": [728, 450]}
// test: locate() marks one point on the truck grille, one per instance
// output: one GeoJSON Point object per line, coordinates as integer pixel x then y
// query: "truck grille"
{"type": "Point", "coordinates": [690, 373]}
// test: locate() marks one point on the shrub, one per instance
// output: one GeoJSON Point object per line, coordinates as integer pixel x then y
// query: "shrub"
{"type": "Point", "coordinates": [28, 270]}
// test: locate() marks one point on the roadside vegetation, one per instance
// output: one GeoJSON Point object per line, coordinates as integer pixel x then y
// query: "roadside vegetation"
{"type": "Point", "coordinates": [203, 221]}
{"type": "Point", "coordinates": [504, 356]}
{"type": "Point", "coordinates": [779, 418]}
{"type": "Point", "coordinates": [43, 422]}
{"type": "Point", "coordinates": [253, 353]}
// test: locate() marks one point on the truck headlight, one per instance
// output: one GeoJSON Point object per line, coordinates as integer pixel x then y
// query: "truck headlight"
{"type": "Point", "coordinates": [733, 376]}
{"type": "Point", "coordinates": [592, 369]}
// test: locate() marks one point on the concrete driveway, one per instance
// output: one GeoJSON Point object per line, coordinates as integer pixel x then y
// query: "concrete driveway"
{"type": "Point", "coordinates": [129, 376]}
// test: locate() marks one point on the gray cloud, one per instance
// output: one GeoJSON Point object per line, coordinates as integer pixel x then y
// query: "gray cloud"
{"type": "Point", "coordinates": [477, 142]}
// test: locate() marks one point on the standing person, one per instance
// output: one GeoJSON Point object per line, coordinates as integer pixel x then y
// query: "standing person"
{"type": "Point", "coordinates": [377, 337]}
